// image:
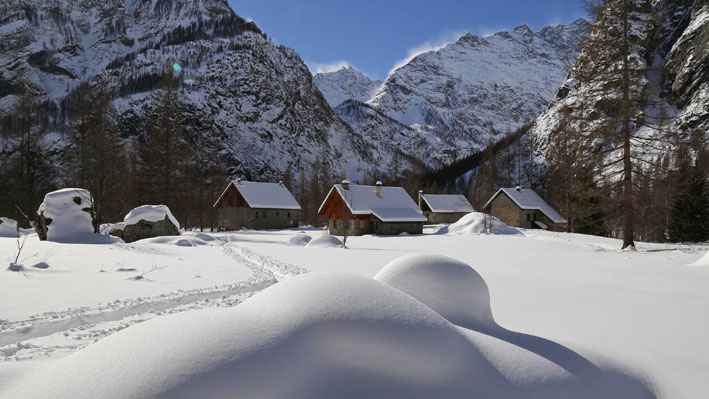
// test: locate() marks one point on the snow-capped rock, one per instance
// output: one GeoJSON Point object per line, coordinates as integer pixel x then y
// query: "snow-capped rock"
{"type": "Point", "coordinates": [345, 84]}
{"type": "Point", "coordinates": [474, 91]}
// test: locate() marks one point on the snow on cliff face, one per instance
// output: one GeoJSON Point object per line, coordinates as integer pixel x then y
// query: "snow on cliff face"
{"type": "Point", "coordinates": [677, 82]}
{"type": "Point", "coordinates": [468, 93]}
{"type": "Point", "coordinates": [345, 84]}
{"type": "Point", "coordinates": [258, 97]}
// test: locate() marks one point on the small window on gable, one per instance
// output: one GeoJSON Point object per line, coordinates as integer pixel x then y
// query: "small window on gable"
{"type": "Point", "coordinates": [278, 213]}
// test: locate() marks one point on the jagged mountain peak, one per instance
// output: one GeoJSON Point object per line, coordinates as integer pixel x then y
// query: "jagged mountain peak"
{"type": "Point", "coordinates": [346, 83]}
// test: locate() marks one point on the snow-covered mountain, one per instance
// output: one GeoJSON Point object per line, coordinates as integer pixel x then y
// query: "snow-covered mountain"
{"type": "Point", "coordinates": [258, 97]}
{"type": "Point", "coordinates": [345, 84]}
{"type": "Point", "coordinates": [676, 33]}
{"type": "Point", "coordinates": [472, 92]}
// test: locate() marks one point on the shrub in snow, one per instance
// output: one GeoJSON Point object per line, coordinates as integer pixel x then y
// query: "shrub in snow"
{"type": "Point", "coordinates": [477, 223]}
{"type": "Point", "coordinates": [448, 286]}
{"type": "Point", "coordinates": [8, 227]}
{"type": "Point", "coordinates": [149, 221]}
{"type": "Point", "coordinates": [300, 239]}
{"type": "Point", "coordinates": [325, 241]}
{"type": "Point", "coordinates": [65, 216]}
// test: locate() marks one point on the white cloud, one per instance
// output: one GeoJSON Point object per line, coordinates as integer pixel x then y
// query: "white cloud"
{"type": "Point", "coordinates": [430, 45]}
{"type": "Point", "coordinates": [324, 67]}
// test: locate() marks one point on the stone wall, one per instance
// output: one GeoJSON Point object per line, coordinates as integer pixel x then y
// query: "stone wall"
{"type": "Point", "coordinates": [503, 208]}
{"type": "Point", "coordinates": [233, 218]}
{"type": "Point", "coordinates": [441, 217]}
{"type": "Point", "coordinates": [372, 225]}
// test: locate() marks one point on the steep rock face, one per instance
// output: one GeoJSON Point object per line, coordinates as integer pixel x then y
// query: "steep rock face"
{"type": "Point", "coordinates": [258, 97]}
{"type": "Point", "coordinates": [475, 90]}
{"type": "Point", "coordinates": [345, 84]}
{"type": "Point", "coordinates": [676, 33]}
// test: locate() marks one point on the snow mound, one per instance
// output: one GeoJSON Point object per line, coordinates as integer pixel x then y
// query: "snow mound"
{"type": "Point", "coordinates": [446, 285]}
{"type": "Point", "coordinates": [300, 239]}
{"type": "Point", "coordinates": [474, 223]}
{"type": "Point", "coordinates": [319, 335]}
{"type": "Point", "coordinates": [204, 237]}
{"type": "Point", "coordinates": [8, 227]}
{"type": "Point", "coordinates": [150, 213]}
{"type": "Point", "coordinates": [703, 261]}
{"type": "Point", "coordinates": [325, 241]}
{"type": "Point", "coordinates": [180, 241]}
{"type": "Point", "coordinates": [69, 210]}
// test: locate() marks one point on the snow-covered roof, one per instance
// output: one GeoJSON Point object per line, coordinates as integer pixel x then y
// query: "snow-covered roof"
{"type": "Point", "coordinates": [263, 195]}
{"type": "Point", "coordinates": [394, 205]}
{"type": "Point", "coordinates": [527, 198]}
{"type": "Point", "coordinates": [447, 203]}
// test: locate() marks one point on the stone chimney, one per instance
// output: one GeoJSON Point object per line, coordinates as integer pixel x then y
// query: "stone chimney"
{"type": "Point", "coordinates": [238, 180]}
{"type": "Point", "coordinates": [420, 198]}
{"type": "Point", "coordinates": [518, 188]}
{"type": "Point", "coordinates": [379, 189]}
{"type": "Point", "coordinates": [281, 183]}
{"type": "Point", "coordinates": [346, 184]}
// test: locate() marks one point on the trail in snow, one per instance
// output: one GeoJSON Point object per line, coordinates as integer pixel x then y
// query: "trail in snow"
{"type": "Point", "coordinates": [59, 333]}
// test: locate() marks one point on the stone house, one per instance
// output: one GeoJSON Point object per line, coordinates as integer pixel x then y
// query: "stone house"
{"type": "Point", "coordinates": [253, 205]}
{"type": "Point", "coordinates": [523, 207]}
{"type": "Point", "coordinates": [360, 210]}
{"type": "Point", "coordinates": [444, 208]}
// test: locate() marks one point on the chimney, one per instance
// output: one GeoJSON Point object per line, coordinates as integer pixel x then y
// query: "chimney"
{"type": "Point", "coordinates": [518, 188]}
{"type": "Point", "coordinates": [346, 184]}
{"type": "Point", "coordinates": [281, 183]}
{"type": "Point", "coordinates": [379, 189]}
{"type": "Point", "coordinates": [238, 180]}
{"type": "Point", "coordinates": [420, 198]}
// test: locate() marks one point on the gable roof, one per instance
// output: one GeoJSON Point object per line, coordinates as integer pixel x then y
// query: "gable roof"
{"type": "Point", "coordinates": [526, 198]}
{"type": "Point", "coordinates": [263, 195]}
{"type": "Point", "coordinates": [394, 205]}
{"type": "Point", "coordinates": [447, 203]}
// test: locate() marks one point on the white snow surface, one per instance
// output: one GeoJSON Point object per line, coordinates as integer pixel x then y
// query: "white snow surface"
{"type": "Point", "coordinates": [70, 223]}
{"type": "Point", "coordinates": [325, 241]}
{"type": "Point", "coordinates": [447, 203]}
{"type": "Point", "coordinates": [527, 198]}
{"type": "Point", "coordinates": [573, 317]}
{"type": "Point", "coordinates": [150, 213]}
{"type": "Point", "coordinates": [264, 195]}
{"type": "Point", "coordinates": [300, 239]}
{"type": "Point", "coordinates": [394, 204]}
{"type": "Point", "coordinates": [479, 223]}
{"type": "Point", "coordinates": [8, 227]}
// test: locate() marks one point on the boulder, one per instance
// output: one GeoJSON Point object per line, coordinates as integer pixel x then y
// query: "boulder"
{"type": "Point", "coordinates": [8, 227]}
{"type": "Point", "coordinates": [65, 216]}
{"type": "Point", "coordinates": [148, 221]}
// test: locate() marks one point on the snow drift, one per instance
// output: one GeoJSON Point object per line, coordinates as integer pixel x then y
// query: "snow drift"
{"type": "Point", "coordinates": [8, 227]}
{"type": "Point", "coordinates": [475, 223]}
{"type": "Point", "coordinates": [450, 287]}
{"type": "Point", "coordinates": [325, 241]}
{"type": "Point", "coordinates": [300, 239]}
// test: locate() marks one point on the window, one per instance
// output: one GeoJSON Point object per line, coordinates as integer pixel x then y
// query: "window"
{"type": "Point", "coordinates": [278, 213]}
{"type": "Point", "coordinates": [288, 215]}
{"type": "Point", "coordinates": [528, 217]}
{"type": "Point", "coordinates": [534, 216]}
{"type": "Point", "coordinates": [362, 223]}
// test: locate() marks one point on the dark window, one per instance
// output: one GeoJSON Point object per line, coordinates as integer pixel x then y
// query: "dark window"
{"type": "Point", "coordinates": [288, 214]}
{"type": "Point", "coordinates": [528, 218]}
{"type": "Point", "coordinates": [534, 216]}
{"type": "Point", "coordinates": [278, 213]}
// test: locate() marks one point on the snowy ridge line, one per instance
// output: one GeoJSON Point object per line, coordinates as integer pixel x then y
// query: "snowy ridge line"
{"type": "Point", "coordinates": [22, 330]}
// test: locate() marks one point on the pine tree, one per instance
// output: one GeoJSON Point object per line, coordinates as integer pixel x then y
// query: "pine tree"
{"type": "Point", "coordinates": [689, 217]}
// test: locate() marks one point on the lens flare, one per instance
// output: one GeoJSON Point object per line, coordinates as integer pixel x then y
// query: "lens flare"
{"type": "Point", "coordinates": [177, 67]}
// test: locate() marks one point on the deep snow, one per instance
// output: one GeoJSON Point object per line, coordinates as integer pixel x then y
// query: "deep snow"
{"type": "Point", "coordinates": [569, 313]}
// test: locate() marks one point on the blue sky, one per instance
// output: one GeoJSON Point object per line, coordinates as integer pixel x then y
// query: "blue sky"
{"type": "Point", "coordinates": [375, 35]}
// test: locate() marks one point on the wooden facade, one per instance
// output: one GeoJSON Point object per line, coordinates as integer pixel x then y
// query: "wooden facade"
{"type": "Point", "coordinates": [234, 213]}
{"type": "Point", "coordinates": [341, 220]}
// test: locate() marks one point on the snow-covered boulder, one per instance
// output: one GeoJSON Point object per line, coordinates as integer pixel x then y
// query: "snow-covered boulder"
{"type": "Point", "coordinates": [325, 241]}
{"type": "Point", "coordinates": [149, 221]}
{"type": "Point", "coordinates": [300, 239]}
{"type": "Point", "coordinates": [318, 335]}
{"type": "Point", "coordinates": [65, 216]}
{"type": "Point", "coordinates": [448, 286]}
{"type": "Point", "coordinates": [8, 227]}
{"type": "Point", "coordinates": [477, 222]}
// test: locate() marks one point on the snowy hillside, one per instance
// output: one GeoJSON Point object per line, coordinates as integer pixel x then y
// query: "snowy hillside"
{"type": "Point", "coordinates": [250, 314]}
{"type": "Point", "coordinates": [234, 82]}
{"type": "Point", "coordinates": [477, 89]}
{"type": "Point", "coordinates": [344, 84]}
